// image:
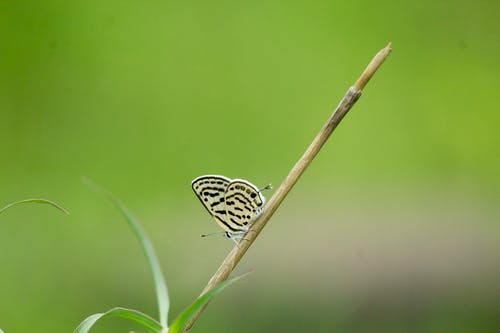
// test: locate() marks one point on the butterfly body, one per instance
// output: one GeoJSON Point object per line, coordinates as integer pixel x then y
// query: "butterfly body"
{"type": "Point", "coordinates": [233, 203]}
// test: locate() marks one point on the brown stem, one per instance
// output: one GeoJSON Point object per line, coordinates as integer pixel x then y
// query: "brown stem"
{"type": "Point", "coordinates": [344, 106]}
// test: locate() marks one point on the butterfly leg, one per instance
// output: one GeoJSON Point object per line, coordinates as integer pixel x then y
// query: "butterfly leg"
{"type": "Point", "coordinates": [236, 242]}
{"type": "Point", "coordinates": [242, 236]}
{"type": "Point", "coordinates": [237, 237]}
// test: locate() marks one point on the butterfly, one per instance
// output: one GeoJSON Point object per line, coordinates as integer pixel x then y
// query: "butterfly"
{"type": "Point", "coordinates": [233, 203]}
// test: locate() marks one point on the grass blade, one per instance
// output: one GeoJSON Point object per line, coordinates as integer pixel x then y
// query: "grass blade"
{"type": "Point", "coordinates": [42, 201]}
{"type": "Point", "coordinates": [133, 315]}
{"type": "Point", "coordinates": [147, 246]}
{"type": "Point", "coordinates": [184, 318]}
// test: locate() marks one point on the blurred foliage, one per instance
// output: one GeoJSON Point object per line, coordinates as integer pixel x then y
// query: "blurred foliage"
{"type": "Point", "coordinates": [143, 96]}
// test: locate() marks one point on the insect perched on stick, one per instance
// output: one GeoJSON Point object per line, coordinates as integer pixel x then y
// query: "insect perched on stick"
{"type": "Point", "coordinates": [233, 203]}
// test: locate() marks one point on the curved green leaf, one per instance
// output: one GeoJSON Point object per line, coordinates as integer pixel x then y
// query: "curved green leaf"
{"type": "Point", "coordinates": [133, 315]}
{"type": "Point", "coordinates": [188, 314]}
{"type": "Point", "coordinates": [42, 201]}
{"type": "Point", "coordinates": [147, 246]}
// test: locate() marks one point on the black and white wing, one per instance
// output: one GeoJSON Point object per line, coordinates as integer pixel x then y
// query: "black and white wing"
{"type": "Point", "coordinates": [211, 190]}
{"type": "Point", "coordinates": [244, 203]}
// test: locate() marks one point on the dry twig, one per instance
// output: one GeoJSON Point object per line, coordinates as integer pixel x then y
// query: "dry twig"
{"type": "Point", "coordinates": [344, 106]}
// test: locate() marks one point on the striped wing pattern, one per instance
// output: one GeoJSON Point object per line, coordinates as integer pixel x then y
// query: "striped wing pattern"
{"type": "Point", "coordinates": [234, 203]}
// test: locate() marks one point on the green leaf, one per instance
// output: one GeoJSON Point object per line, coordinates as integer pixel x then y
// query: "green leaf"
{"type": "Point", "coordinates": [42, 201]}
{"type": "Point", "coordinates": [1, 330]}
{"type": "Point", "coordinates": [147, 246]}
{"type": "Point", "coordinates": [188, 314]}
{"type": "Point", "coordinates": [133, 315]}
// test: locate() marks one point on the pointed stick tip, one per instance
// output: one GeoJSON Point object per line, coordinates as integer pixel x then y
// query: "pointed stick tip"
{"type": "Point", "coordinates": [370, 70]}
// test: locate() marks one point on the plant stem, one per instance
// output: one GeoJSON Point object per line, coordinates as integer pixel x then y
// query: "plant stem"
{"type": "Point", "coordinates": [344, 106]}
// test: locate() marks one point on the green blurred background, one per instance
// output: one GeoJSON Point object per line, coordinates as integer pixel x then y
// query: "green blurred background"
{"type": "Point", "coordinates": [393, 228]}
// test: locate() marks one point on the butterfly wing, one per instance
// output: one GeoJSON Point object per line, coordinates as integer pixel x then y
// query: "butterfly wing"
{"type": "Point", "coordinates": [244, 203]}
{"type": "Point", "coordinates": [211, 189]}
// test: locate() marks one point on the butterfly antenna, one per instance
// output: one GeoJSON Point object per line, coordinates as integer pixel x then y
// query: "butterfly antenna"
{"type": "Point", "coordinates": [212, 233]}
{"type": "Point", "coordinates": [268, 187]}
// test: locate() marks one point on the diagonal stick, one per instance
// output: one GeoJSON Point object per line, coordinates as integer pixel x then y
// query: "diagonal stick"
{"type": "Point", "coordinates": [344, 106]}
